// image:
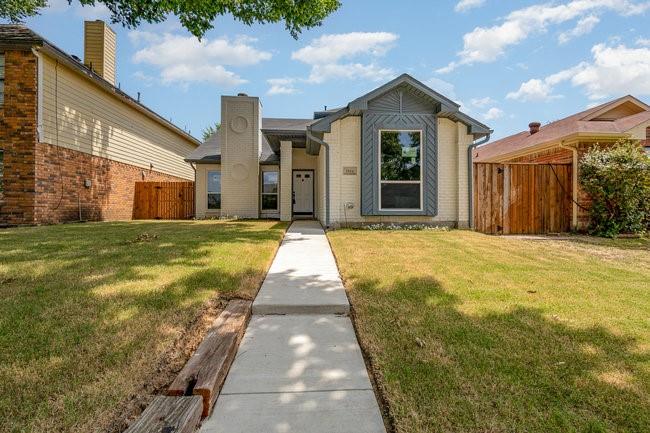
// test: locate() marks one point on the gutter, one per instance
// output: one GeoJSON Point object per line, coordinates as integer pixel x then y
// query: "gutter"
{"type": "Point", "coordinates": [470, 177]}
{"type": "Point", "coordinates": [312, 137]}
{"type": "Point", "coordinates": [39, 94]}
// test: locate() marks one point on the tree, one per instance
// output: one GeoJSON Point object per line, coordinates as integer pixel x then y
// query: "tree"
{"type": "Point", "coordinates": [195, 15]}
{"type": "Point", "coordinates": [618, 180]}
{"type": "Point", "coordinates": [209, 131]}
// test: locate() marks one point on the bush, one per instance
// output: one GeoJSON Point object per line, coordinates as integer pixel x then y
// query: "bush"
{"type": "Point", "coordinates": [618, 179]}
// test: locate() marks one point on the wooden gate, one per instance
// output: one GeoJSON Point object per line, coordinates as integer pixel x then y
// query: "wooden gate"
{"type": "Point", "coordinates": [522, 198]}
{"type": "Point", "coordinates": [163, 200]}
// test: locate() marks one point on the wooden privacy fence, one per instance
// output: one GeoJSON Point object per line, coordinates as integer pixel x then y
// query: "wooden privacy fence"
{"type": "Point", "coordinates": [163, 200]}
{"type": "Point", "coordinates": [522, 198]}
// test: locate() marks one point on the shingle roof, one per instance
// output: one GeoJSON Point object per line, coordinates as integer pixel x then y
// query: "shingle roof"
{"type": "Point", "coordinates": [207, 153]}
{"type": "Point", "coordinates": [276, 124]}
{"type": "Point", "coordinates": [563, 128]}
{"type": "Point", "coordinates": [210, 151]}
{"type": "Point", "coordinates": [18, 34]}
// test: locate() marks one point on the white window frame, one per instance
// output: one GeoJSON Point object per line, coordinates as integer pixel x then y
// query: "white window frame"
{"type": "Point", "coordinates": [420, 182]}
{"type": "Point", "coordinates": [208, 192]}
{"type": "Point", "coordinates": [262, 193]}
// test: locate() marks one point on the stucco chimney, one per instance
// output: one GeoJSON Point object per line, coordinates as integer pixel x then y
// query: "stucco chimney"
{"type": "Point", "coordinates": [99, 49]}
{"type": "Point", "coordinates": [534, 127]}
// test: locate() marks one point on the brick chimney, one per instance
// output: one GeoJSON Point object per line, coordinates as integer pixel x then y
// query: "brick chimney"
{"type": "Point", "coordinates": [99, 49]}
{"type": "Point", "coordinates": [534, 127]}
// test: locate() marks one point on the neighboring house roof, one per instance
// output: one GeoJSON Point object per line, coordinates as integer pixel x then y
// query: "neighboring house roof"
{"type": "Point", "coordinates": [19, 37]}
{"type": "Point", "coordinates": [601, 121]}
{"type": "Point", "coordinates": [447, 107]}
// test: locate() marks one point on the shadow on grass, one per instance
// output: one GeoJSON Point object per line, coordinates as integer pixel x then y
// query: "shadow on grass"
{"type": "Point", "coordinates": [521, 371]}
{"type": "Point", "coordinates": [79, 302]}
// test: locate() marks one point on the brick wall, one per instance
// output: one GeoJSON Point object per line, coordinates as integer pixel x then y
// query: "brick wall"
{"type": "Point", "coordinates": [18, 138]}
{"type": "Point", "coordinates": [43, 183]}
{"type": "Point", "coordinates": [61, 190]}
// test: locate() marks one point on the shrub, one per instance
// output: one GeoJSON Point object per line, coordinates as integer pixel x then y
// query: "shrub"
{"type": "Point", "coordinates": [618, 179]}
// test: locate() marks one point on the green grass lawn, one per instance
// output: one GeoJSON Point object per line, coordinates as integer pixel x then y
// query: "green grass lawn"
{"type": "Point", "coordinates": [88, 310]}
{"type": "Point", "coordinates": [473, 333]}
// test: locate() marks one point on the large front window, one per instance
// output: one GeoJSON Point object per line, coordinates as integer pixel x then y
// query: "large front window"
{"type": "Point", "coordinates": [400, 159]}
{"type": "Point", "coordinates": [214, 190]}
{"type": "Point", "coordinates": [270, 191]}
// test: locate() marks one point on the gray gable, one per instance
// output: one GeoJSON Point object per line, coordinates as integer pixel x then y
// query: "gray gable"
{"type": "Point", "coordinates": [403, 99]}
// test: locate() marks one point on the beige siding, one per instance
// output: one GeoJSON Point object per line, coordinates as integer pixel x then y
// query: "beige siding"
{"type": "Point", "coordinates": [285, 180]}
{"type": "Point", "coordinates": [201, 186]}
{"type": "Point", "coordinates": [80, 115]}
{"type": "Point", "coordinates": [344, 140]}
{"type": "Point", "coordinates": [240, 151]}
{"type": "Point", "coordinates": [100, 49]}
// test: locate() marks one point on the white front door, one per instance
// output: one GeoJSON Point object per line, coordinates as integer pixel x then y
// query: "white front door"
{"type": "Point", "coordinates": [303, 192]}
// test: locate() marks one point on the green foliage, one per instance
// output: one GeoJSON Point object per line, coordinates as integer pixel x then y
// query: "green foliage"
{"type": "Point", "coordinates": [196, 16]}
{"type": "Point", "coordinates": [18, 10]}
{"type": "Point", "coordinates": [618, 180]}
{"type": "Point", "coordinates": [208, 131]}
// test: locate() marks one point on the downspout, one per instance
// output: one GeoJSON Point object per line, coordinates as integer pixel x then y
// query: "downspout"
{"type": "Point", "coordinates": [312, 137]}
{"type": "Point", "coordinates": [470, 177]}
{"type": "Point", "coordinates": [194, 201]}
{"type": "Point", "coordinates": [574, 184]}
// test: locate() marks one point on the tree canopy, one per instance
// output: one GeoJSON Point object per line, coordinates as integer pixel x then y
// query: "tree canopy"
{"type": "Point", "coordinates": [196, 16]}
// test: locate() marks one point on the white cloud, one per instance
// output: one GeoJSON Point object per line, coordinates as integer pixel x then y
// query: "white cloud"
{"type": "Point", "coordinates": [332, 48]}
{"type": "Point", "coordinates": [614, 71]}
{"type": "Point", "coordinates": [465, 5]}
{"type": "Point", "coordinates": [643, 42]}
{"type": "Point", "coordinates": [441, 86]}
{"type": "Point", "coordinates": [584, 26]}
{"type": "Point", "coordinates": [481, 102]}
{"type": "Point", "coordinates": [330, 56]}
{"type": "Point", "coordinates": [281, 86]}
{"type": "Point", "coordinates": [91, 12]}
{"type": "Point", "coordinates": [493, 114]}
{"type": "Point", "coordinates": [185, 59]}
{"type": "Point", "coordinates": [486, 44]}
{"type": "Point", "coordinates": [542, 90]}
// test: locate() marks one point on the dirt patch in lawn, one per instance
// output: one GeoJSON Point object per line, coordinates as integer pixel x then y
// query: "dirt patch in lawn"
{"type": "Point", "coordinates": [168, 366]}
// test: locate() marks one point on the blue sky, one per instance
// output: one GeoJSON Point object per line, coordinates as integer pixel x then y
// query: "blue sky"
{"type": "Point", "coordinates": [506, 62]}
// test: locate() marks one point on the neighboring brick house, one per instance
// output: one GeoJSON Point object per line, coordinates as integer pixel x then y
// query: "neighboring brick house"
{"type": "Point", "coordinates": [399, 154]}
{"type": "Point", "coordinates": [72, 145]}
{"type": "Point", "coordinates": [566, 140]}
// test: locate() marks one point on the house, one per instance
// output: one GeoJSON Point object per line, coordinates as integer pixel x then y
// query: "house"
{"type": "Point", "coordinates": [566, 140]}
{"type": "Point", "coordinates": [398, 154]}
{"type": "Point", "coordinates": [72, 144]}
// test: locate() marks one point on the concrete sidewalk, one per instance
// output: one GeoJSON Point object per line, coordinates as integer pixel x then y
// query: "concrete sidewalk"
{"type": "Point", "coordinates": [299, 368]}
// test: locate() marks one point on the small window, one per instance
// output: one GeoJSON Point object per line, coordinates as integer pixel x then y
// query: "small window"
{"type": "Point", "coordinates": [2, 78]}
{"type": "Point", "coordinates": [270, 190]}
{"type": "Point", "coordinates": [214, 190]}
{"type": "Point", "coordinates": [400, 181]}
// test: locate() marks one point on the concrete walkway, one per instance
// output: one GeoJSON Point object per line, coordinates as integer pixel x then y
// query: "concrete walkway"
{"type": "Point", "coordinates": [299, 368]}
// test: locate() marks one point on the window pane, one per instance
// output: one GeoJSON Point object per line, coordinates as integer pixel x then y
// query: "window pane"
{"type": "Point", "coordinates": [214, 201]}
{"type": "Point", "coordinates": [214, 181]}
{"type": "Point", "coordinates": [400, 155]}
{"type": "Point", "coordinates": [269, 202]}
{"type": "Point", "coordinates": [270, 182]}
{"type": "Point", "coordinates": [400, 196]}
